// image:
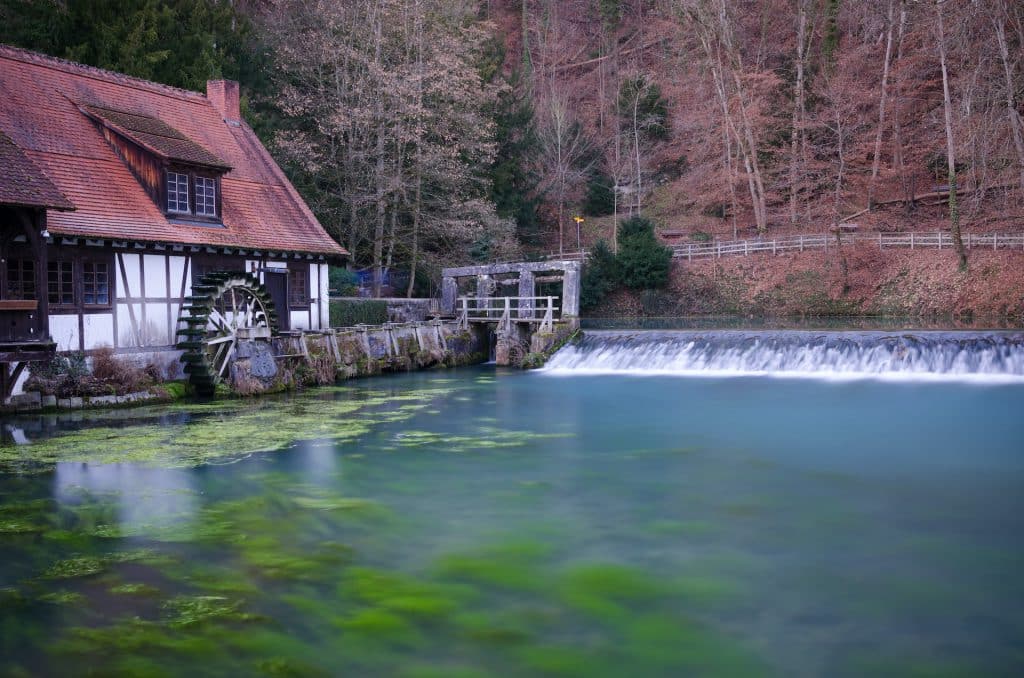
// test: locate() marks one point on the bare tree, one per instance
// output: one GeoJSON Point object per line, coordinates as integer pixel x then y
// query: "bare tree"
{"type": "Point", "coordinates": [563, 154]}
{"type": "Point", "coordinates": [1000, 17]}
{"type": "Point", "coordinates": [947, 109]}
{"type": "Point", "coordinates": [884, 90]}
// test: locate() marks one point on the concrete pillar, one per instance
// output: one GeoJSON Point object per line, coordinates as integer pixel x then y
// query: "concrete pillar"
{"type": "Point", "coordinates": [526, 289]}
{"type": "Point", "coordinates": [571, 289]}
{"type": "Point", "coordinates": [483, 290]}
{"type": "Point", "coordinates": [449, 291]}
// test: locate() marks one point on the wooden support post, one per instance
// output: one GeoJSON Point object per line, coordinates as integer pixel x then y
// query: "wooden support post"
{"type": "Point", "coordinates": [332, 339]}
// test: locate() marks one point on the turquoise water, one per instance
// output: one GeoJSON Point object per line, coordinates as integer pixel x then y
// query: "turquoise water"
{"type": "Point", "coordinates": [489, 522]}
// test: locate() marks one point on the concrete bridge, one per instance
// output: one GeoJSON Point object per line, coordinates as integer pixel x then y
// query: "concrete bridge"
{"type": "Point", "coordinates": [522, 323]}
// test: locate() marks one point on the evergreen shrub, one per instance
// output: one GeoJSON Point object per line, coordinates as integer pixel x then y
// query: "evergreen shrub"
{"type": "Point", "coordinates": [643, 262]}
{"type": "Point", "coordinates": [351, 312]}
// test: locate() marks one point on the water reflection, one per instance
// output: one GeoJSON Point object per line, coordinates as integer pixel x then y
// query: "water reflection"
{"type": "Point", "coordinates": [143, 497]}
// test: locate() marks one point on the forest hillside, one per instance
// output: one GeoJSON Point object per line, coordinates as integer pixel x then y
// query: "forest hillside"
{"type": "Point", "coordinates": [426, 132]}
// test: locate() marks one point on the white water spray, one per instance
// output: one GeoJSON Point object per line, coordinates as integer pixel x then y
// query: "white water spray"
{"type": "Point", "coordinates": [971, 356]}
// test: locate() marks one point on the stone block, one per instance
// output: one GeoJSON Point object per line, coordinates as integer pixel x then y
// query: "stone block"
{"type": "Point", "coordinates": [49, 401]}
{"type": "Point", "coordinates": [27, 401]}
{"type": "Point", "coordinates": [76, 403]}
{"type": "Point", "coordinates": [64, 403]}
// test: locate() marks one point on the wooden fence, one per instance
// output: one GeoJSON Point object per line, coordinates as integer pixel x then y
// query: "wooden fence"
{"type": "Point", "coordinates": [799, 243]}
{"type": "Point", "coordinates": [821, 241]}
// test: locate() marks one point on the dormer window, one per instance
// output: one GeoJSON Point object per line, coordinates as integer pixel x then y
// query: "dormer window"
{"type": "Point", "coordinates": [189, 193]}
{"type": "Point", "coordinates": [206, 196]}
{"type": "Point", "coordinates": [177, 193]}
{"type": "Point", "coordinates": [181, 176]}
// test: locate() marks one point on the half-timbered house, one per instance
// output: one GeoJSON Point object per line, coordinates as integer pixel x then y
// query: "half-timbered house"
{"type": "Point", "coordinates": [121, 193]}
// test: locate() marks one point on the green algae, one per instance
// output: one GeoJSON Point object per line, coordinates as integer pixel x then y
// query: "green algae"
{"type": "Point", "coordinates": [62, 598]}
{"type": "Point", "coordinates": [485, 438]}
{"type": "Point", "coordinates": [134, 589]}
{"type": "Point", "coordinates": [186, 611]}
{"type": "Point", "coordinates": [220, 431]}
{"type": "Point", "coordinates": [88, 566]}
{"type": "Point", "coordinates": [71, 568]}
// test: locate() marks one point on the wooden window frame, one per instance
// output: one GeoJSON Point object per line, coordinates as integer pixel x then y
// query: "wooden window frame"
{"type": "Point", "coordinates": [192, 176]}
{"type": "Point", "coordinates": [167, 192]}
{"type": "Point", "coordinates": [16, 261]}
{"type": "Point", "coordinates": [78, 260]}
{"type": "Point", "coordinates": [59, 306]}
{"type": "Point", "coordinates": [302, 269]}
{"type": "Point", "coordinates": [214, 186]}
{"type": "Point", "coordinates": [108, 263]}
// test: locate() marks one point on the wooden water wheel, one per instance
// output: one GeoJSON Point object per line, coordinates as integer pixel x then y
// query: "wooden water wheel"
{"type": "Point", "coordinates": [224, 308]}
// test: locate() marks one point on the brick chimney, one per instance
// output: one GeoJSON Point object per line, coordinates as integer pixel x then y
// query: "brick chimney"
{"type": "Point", "coordinates": [223, 94]}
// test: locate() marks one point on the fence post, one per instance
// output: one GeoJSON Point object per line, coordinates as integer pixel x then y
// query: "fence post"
{"type": "Point", "coordinates": [746, 247]}
{"type": "Point", "coordinates": [995, 240]}
{"type": "Point", "coordinates": [801, 243]}
{"type": "Point", "coordinates": [879, 240]}
{"type": "Point", "coordinates": [939, 234]}
{"type": "Point", "coordinates": [775, 244]}
{"type": "Point", "coordinates": [719, 245]}
{"type": "Point", "coordinates": [689, 252]}
{"type": "Point", "coordinates": [911, 240]}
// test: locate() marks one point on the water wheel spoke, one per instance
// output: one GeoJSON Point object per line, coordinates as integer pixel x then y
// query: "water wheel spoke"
{"type": "Point", "coordinates": [227, 359]}
{"type": "Point", "coordinates": [208, 356]}
{"type": "Point", "coordinates": [219, 320]}
{"type": "Point", "coordinates": [221, 340]}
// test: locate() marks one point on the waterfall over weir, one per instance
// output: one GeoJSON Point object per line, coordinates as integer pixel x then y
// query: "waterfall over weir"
{"type": "Point", "coordinates": [973, 356]}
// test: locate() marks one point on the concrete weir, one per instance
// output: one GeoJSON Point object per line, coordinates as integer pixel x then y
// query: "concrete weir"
{"type": "Point", "coordinates": [525, 327]}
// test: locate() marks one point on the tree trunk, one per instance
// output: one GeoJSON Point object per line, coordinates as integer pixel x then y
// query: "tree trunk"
{"type": "Point", "coordinates": [1012, 114]}
{"type": "Point", "coordinates": [378, 233]}
{"type": "Point", "coordinates": [881, 105]}
{"type": "Point", "coordinates": [636, 147]}
{"type": "Point", "coordinates": [798, 108]}
{"type": "Point", "coordinates": [418, 194]}
{"type": "Point", "coordinates": [947, 107]}
{"type": "Point", "coordinates": [897, 130]}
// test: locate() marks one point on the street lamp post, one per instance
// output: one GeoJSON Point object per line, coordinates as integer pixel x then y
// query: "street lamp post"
{"type": "Point", "coordinates": [578, 220]}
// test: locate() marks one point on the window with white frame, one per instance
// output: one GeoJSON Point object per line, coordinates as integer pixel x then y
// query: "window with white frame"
{"type": "Point", "coordinates": [177, 193]}
{"type": "Point", "coordinates": [206, 196]}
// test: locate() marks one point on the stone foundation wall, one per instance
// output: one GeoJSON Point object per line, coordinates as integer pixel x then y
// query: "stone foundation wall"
{"type": "Point", "coordinates": [325, 357]}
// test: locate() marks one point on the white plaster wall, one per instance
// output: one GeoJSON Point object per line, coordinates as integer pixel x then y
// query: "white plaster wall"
{"type": "Point", "coordinates": [156, 275]}
{"type": "Point", "coordinates": [128, 285]}
{"type": "Point", "coordinates": [299, 320]}
{"type": "Point", "coordinates": [127, 334]}
{"type": "Point", "coordinates": [19, 386]}
{"type": "Point", "coordinates": [64, 331]}
{"type": "Point", "coordinates": [175, 315]}
{"type": "Point", "coordinates": [155, 329]}
{"type": "Point", "coordinates": [177, 271]}
{"type": "Point", "coordinates": [99, 330]}
{"type": "Point", "coordinates": [324, 296]}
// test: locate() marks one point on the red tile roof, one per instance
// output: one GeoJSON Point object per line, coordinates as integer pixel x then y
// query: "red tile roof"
{"type": "Point", "coordinates": [41, 102]}
{"type": "Point", "coordinates": [24, 184]}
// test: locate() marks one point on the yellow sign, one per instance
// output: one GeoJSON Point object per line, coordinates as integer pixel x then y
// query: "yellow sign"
{"type": "Point", "coordinates": [579, 220]}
